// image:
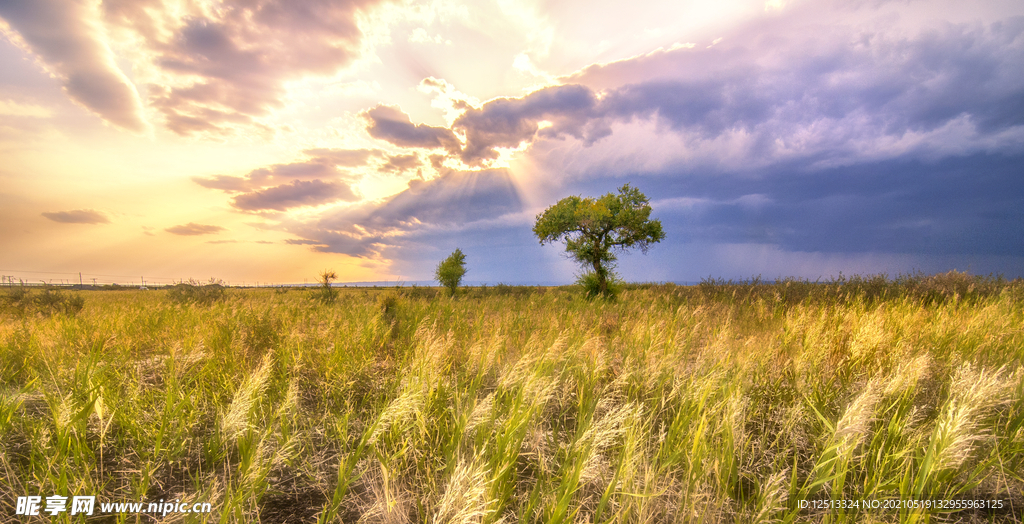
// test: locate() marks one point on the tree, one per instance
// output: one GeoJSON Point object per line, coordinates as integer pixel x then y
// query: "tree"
{"type": "Point", "coordinates": [451, 270]}
{"type": "Point", "coordinates": [327, 293]}
{"type": "Point", "coordinates": [593, 229]}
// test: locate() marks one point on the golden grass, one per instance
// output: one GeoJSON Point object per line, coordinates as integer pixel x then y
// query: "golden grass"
{"type": "Point", "coordinates": [720, 402]}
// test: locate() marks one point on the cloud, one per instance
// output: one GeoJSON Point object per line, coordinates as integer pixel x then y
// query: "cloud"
{"type": "Point", "coordinates": [844, 134]}
{"type": "Point", "coordinates": [298, 193]}
{"type": "Point", "coordinates": [344, 157]}
{"type": "Point", "coordinates": [78, 216]}
{"type": "Point", "coordinates": [192, 229]}
{"type": "Point", "coordinates": [852, 98]}
{"type": "Point", "coordinates": [455, 200]}
{"type": "Point", "coordinates": [508, 122]}
{"type": "Point", "coordinates": [324, 165]}
{"type": "Point", "coordinates": [239, 242]}
{"type": "Point", "coordinates": [15, 109]}
{"type": "Point", "coordinates": [774, 90]}
{"type": "Point", "coordinates": [401, 163]}
{"type": "Point", "coordinates": [61, 34]}
{"type": "Point", "coordinates": [231, 63]}
{"type": "Point", "coordinates": [959, 206]}
{"type": "Point", "coordinates": [225, 183]}
{"type": "Point", "coordinates": [392, 125]}
{"type": "Point", "coordinates": [207, 69]}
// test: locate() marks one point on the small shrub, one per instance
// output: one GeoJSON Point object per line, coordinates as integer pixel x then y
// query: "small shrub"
{"type": "Point", "coordinates": [193, 292]}
{"type": "Point", "coordinates": [68, 304]}
{"type": "Point", "coordinates": [451, 270]}
{"type": "Point", "coordinates": [415, 292]}
{"type": "Point", "coordinates": [388, 304]}
{"type": "Point", "coordinates": [17, 299]}
{"type": "Point", "coordinates": [260, 332]}
{"type": "Point", "coordinates": [948, 284]}
{"type": "Point", "coordinates": [591, 284]}
{"type": "Point", "coordinates": [505, 290]}
{"type": "Point", "coordinates": [326, 294]}
{"type": "Point", "coordinates": [22, 301]}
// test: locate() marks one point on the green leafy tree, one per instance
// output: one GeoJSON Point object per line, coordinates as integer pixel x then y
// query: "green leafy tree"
{"type": "Point", "coordinates": [594, 229]}
{"type": "Point", "coordinates": [451, 270]}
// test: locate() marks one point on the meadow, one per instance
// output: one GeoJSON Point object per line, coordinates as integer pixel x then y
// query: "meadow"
{"type": "Point", "coordinates": [721, 402]}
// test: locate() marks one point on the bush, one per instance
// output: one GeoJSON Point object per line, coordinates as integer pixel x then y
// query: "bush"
{"type": "Point", "coordinates": [591, 284]}
{"type": "Point", "coordinates": [451, 270]}
{"type": "Point", "coordinates": [505, 290]}
{"type": "Point", "coordinates": [17, 299]}
{"type": "Point", "coordinates": [415, 292]}
{"type": "Point", "coordinates": [193, 292]}
{"type": "Point", "coordinates": [388, 305]}
{"type": "Point", "coordinates": [326, 294]}
{"type": "Point", "coordinates": [21, 301]}
{"type": "Point", "coordinates": [260, 332]}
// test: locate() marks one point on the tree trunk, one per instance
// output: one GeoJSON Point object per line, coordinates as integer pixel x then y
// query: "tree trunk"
{"type": "Point", "coordinates": [602, 283]}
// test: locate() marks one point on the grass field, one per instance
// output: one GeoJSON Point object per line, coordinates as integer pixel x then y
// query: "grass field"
{"type": "Point", "coordinates": [713, 403]}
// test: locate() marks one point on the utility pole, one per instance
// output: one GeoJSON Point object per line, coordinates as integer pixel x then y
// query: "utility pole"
{"type": "Point", "coordinates": [79, 279]}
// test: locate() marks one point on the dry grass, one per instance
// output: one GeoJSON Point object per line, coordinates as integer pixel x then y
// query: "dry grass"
{"type": "Point", "coordinates": [720, 402]}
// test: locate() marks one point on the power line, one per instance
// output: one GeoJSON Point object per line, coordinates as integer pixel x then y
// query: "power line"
{"type": "Point", "coordinates": [75, 273]}
{"type": "Point", "coordinates": [11, 276]}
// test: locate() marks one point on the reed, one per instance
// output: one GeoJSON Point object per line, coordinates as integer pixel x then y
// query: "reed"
{"type": "Point", "coordinates": [724, 402]}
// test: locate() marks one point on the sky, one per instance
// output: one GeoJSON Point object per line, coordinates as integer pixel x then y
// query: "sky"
{"type": "Point", "coordinates": [269, 140]}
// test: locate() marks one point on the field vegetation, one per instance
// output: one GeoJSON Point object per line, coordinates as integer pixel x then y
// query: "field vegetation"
{"type": "Point", "coordinates": [721, 402]}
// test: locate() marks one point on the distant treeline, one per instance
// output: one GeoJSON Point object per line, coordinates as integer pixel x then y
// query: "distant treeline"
{"type": "Point", "coordinates": [937, 288]}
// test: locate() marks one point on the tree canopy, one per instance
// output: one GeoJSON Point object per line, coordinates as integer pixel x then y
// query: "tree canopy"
{"type": "Point", "coordinates": [595, 229]}
{"type": "Point", "coordinates": [451, 270]}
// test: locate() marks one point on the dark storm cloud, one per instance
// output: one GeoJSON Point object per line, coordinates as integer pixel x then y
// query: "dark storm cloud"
{"type": "Point", "coordinates": [451, 201]}
{"type": "Point", "coordinates": [78, 216]}
{"type": "Point", "coordinates": [893, 85]}
{"type": "Point", "coordinates": [507, 122]}
{"type": "Point", "coordinates": [391, 124]}
{"type": "Point", "coordinates": [968, 205]}
{"type": "Point", "coordinates": [852, 93]}
{"type": "Point", "coordinates": [298, 193]}
{"type": "Point", "coordinates": [59, 33]}
{"type": "Point", "coordinates": [501, 252]}
{"type": "Point", "coordinates": [710, 107]}
{"type": "Point", "coordinates": [193, 229]}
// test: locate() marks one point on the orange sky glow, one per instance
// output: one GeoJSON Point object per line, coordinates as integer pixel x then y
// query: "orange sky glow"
{"type": "Point", "coordinates": [268, 140]}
